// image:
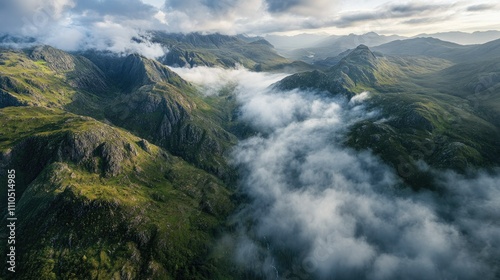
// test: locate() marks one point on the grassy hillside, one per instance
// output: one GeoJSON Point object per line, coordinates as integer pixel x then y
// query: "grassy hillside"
{"type": "Point", "coordinates": [121, 170]}
{"type": "Point", "coordinates": [106, 202]}
{"type": "Point", "coordinates": [31, 82]}
{"type": "Point", "coordinates": [138, 94]}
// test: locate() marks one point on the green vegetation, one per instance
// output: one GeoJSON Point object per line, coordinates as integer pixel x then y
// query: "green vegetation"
{"type": "Point", "coordinates": [100, 195]}
{"type": "Point", "coordinates": [109, 184]}
{"type": "Point", "coordinates": [135, 93]}
{"type": "Point", "coordinates": [430, 110]}
{"type": "Point", "coordinates": [433, 128]}
{"type": "Point", "coordinates": [32, 82]}
{"type": "Point", "coordinates": [121, 164]}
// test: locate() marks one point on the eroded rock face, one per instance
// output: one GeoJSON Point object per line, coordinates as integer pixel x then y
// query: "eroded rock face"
{"type": "Point", "coordinates": [166, 119]}
{"type": "Point", "coordinates": [56, 59]}
{"type": "Point", "coordinates": [95, 151]}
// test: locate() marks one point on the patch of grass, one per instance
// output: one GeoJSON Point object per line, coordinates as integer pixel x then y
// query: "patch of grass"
{"type": "Point", "coordinates": [33, 82]}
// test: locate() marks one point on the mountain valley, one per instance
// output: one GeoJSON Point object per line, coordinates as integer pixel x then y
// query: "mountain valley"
{"type": "Point", "coordinates": [128, 168]}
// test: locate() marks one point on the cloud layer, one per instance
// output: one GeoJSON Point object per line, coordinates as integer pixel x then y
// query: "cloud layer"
{"type": "Point", "coordinates": [320, 210]}
{"type": "Point", "coordinates": [77, 25]}
{"type": "Point", "coordinates": [114, 25]}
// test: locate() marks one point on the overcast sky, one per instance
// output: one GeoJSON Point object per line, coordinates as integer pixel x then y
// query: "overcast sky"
{"type": "Point", "coordinates": [112, 24]}
{"type": "Point", "coordinates": [250, 16]}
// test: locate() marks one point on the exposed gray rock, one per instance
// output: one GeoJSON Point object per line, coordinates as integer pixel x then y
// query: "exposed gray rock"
{"type": "Point", "coordinates": [56, 59]}
{"type": "Point", "coordinates": [144, 144]}
{"type": "Point", "coordinates": [113, 157]}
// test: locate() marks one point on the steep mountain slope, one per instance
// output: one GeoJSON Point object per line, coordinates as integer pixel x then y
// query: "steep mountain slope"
{"type": "Point", "coordinates": [221, 50]}
{"type": "Point", "coordinates": [472, 74]}
{"type": "Point", "coordinates": [332, 60]}
{"type": "Point", "coordinates": [334, 45]}
{"type": "Point", "coordinates": [421, 116]}
{"type": "Point", "coordinates": [161, 107]}
{"type": "Point", "coordinates": [133, 92]}
{"type": "Point", "coordinates": [45, 76]}
{"type": "Point", "coordinates": [360, 70]}
{"type": "Point", "coordinates": [484, 52]}
{"type": "Point", "coordinates": [105, 201]}
{"type": "Point", "coordinates": [98, 201]}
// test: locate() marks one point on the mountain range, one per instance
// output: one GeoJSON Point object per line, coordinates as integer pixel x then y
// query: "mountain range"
{"type": "Point", "coordinates": [195, 49]}
{"type": "Point", "coordinates": [328, 48]}
{"type": "Point", "coordinates": [123, 168]}
{"type": "Point", "coordinates": [305, 40]}
{"type": "Point", "coordinates": [464, 38]}
{"type": "Point", "coordinates": [426, 96]}
{"type": "Point", "coordinates": [120, 165]}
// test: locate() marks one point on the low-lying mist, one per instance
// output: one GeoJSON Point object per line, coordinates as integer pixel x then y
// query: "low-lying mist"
{"type": "Point", "coordinates": [320, 210]}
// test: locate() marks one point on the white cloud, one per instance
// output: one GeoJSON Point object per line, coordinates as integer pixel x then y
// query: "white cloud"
{"type": "Point", "coordinates": [40, 19]}
{"type": "Point", "coordinates": [161, 17]}
{"type": "Point", "coordinates": [325, 211]}
{"type": "Point", "coordinates": [75, 25]}
{"type": "Point", "coordinates": [360, 98]}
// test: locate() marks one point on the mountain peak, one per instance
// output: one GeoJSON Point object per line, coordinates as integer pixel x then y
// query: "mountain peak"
{"type": "Point", "coordinates": [263, 42]}
{"type": "Point", "coordinates": [362, 47]}
{"type": "Point", "coordinates": [134, 70]}
{"type": "Point", "coordinates": [56, 59]}
{"type": "Point", "coordinates": [361, 55]}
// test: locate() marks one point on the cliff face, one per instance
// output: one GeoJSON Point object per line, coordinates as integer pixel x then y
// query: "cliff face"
{"type": "Point", "coordinates": [8, 100]}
